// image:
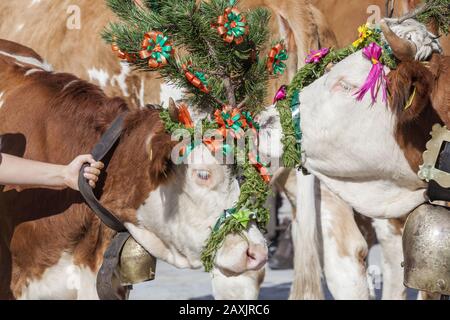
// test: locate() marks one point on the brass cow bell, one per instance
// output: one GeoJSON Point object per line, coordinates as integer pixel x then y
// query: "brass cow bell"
{"type": "Point", "coordinates": [426, 249]}
{"type": "Point", "coordinates": [136, 265]}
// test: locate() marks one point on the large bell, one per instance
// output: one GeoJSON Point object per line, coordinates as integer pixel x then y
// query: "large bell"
{"type": "Point", "coordinates": [136, 265]}
{"type": "Point", "coordinates": [426, 249]}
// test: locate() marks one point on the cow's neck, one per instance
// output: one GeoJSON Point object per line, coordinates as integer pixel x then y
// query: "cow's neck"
{"type": "Point", "coordinates": [129, 178]}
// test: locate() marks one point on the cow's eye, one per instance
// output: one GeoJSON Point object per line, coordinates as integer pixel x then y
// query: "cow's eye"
{"type": "Point", "coordinates": [346, 86]}
{"type": "Point", "coordinates": [204, 175]}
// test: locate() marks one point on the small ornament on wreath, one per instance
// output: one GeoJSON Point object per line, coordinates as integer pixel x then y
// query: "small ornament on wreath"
{"type": "Point", "coordinates": [122, 54]}
{"type": "Point", "coordinates": [277, 56]}
{"type": "Point", "coordinates": [196, 78]}
{"type": "Point", "coordinates": [157, 48]}
{"type": "Point", "coordinates": [232, 25]}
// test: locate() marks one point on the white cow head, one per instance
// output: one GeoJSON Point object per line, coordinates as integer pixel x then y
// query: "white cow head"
{"type": "Point", "coordinates": [177, 218]}
{"type": "Point", "coordinates": [350, 145]}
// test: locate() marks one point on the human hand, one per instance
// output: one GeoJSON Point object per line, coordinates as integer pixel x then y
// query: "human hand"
{"type": "Point", "coordinates": [71, 171]}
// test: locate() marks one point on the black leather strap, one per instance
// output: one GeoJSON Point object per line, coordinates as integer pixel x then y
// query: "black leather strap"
{"type": "Point", "coordinates": [435, 192]}
{"type": "Point", "coordinates": [100, 150]}
{"type": "Point", "coordinates": [108, 287]}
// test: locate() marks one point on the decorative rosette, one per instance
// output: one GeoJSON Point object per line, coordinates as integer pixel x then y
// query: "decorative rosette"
{"type": "Point", "coordinates": [232, 25]}
{"type": "Point", "coordinates": [231, 119]}
{"type": "Point", "coordinates": [157, 48]}
{"type": "Point", "coordinates": [315, 56]}
{"type": "Point", "coordinates": [277, 56]}
{"type": "Point", "coordinates": [196, 78]}
{"type": "Point", "coordinates": [121, 54]}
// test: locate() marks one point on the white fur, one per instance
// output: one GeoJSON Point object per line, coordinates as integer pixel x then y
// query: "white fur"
{"type": "Point", "coordinates": [142, 93]}
{"type": "Point", "coordinates": [242, 287]}
{"type": "Point", "coordinates": [121, 78]}
{"type": "Point", "coordinates": [99, 75]}
{"type": "Point", "coordinates": [345, 274]}
{"type": "Point", "coordinates": [350, 145]}
{"type": "Point", "coordinates": [1, 101]}
{"type": "Point", "coordinates": [176, 219]}
{"type": "Point", "coordinates": [33, 2]}
{"type": "Point", "coordinates": [69, 84]}
{"type": "Point", "coordinates": [28, 60]}
{"type": "Point", "coordinates": [64, 280]}
{"type": "Point", "coordinates": [169, 91]}
{"type": "Point", "coordinates": [392, 257]}
{"type": "Point", "coordinates": [31, 71]}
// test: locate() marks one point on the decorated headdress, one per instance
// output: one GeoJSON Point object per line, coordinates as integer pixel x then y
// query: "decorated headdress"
{"type": "Point", "coordinates": [381, 46]}
{"type": "Point", "coordinates": [212, 50]}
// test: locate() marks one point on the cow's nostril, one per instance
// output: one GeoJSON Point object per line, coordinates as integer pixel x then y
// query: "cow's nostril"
{"type": "Point", "coordinates": [250, 254]}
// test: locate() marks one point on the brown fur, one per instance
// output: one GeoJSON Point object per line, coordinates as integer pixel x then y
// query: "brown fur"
{"type": "Point", "coordinates": [428, 107]}
{"type": "Point", "coordinates": [62, 122]}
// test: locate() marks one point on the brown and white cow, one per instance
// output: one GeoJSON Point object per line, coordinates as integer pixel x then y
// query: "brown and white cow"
{"type": "Point", "coordinates": [80, 51]}
{"type": "Point", "coordinates": [51, 244]}
{"type": "Point", "coordinates": [369, 154]}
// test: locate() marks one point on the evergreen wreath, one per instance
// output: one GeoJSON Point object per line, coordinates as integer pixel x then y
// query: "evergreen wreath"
{"type": "Point", "coordinates": [220, 67]}
{"type": "Point", "coordinates": [437, 11]}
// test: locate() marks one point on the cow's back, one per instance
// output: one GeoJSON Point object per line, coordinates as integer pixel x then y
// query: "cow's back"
{"type": "Point", "coordinates": [50, 28]}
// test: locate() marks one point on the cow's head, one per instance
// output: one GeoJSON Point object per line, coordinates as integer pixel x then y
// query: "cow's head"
{"type": "Point", "coordinates": [352, 143]}
{"type": "Point", "coordinates": [176, 219]}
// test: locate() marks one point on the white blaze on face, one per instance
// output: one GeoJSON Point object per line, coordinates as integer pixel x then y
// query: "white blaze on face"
{"type": "Point", "coordinates": [99, 75]}
{"type": "Point", "coordinates": [176, 219]}
{"type": "Point", "coordinates": [350, 145]}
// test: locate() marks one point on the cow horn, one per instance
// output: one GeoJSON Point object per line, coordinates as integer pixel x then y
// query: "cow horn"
{"type": "Point", "coordinates": [403, 49]}
{"type": "Point", "coordinates": [173, 110]}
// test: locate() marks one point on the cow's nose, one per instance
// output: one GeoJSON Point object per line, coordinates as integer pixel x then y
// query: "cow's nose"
{"type": "Point", "coordinates": [257, 256]}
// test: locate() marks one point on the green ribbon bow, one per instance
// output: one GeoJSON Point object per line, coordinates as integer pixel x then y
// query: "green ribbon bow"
{"type": "Point", "coordinates": [244, 216]}
{"type": "Point", "coordinates": [279, 66]}
{"type": "Point", "coordinates": [239, 29]}
{"type": "Point", "coordinates": [251, 122]}
{"type": "Point", "coordinates": [235, 119]}
{"type": "Point", "coordinates": [202, 77]}
{"type": "Point", "coordinates": [165, 50]}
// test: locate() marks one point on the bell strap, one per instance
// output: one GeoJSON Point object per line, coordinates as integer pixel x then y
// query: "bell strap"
{"type": "Point", "coordinates": [101, 149]}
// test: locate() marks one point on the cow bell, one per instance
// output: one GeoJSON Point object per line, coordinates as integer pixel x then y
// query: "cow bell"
{"type": "Point", "coordinates": [136, 265]}
{"type": "Point", "coordinates": [426, 249]}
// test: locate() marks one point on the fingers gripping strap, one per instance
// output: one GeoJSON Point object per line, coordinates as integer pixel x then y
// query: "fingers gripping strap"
{"type": "Point", "coordinates": [100, 150]}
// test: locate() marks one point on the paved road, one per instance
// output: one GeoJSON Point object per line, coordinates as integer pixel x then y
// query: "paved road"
{"type": "Point", "coordinates": [172, 283]}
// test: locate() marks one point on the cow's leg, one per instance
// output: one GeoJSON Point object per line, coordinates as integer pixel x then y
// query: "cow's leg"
{"type": "Point", "coordinates": [344, 249]}
{"type": "Point", "coordinates": [307, 266]}
{"type": "Point", "coordinates": [87, 289]}
{"type": "Point", "coordinates": [389, 236]}
{"type": "Point", "coordinates": [243, 287]}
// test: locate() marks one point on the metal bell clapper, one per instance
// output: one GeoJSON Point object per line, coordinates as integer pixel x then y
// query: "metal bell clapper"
{"type": "Point", "coordinates": [136, 265]}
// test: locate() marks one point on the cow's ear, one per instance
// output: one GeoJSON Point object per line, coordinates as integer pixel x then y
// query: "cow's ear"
{"type": "Point", "coordinates": [159, 151]}
{"type": "Point", "coordinates": [173, 110]}
{"type": "Point", "coordinates": [410, 88]}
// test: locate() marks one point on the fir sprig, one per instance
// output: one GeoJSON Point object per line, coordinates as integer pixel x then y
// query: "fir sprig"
{"type": "Point", "coordinates": [236, 77]}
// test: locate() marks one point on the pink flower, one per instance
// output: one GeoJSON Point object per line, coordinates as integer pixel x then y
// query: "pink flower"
{"type": "Point", "coordinates": [316, 55]}
{"type": "Point", "coordinates": [377, 77]}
